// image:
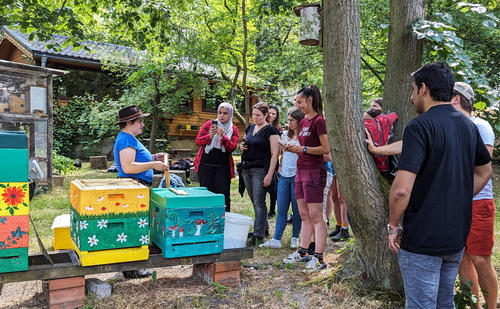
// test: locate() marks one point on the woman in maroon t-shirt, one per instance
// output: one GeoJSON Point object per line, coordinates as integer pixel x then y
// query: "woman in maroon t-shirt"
{"type": "Point", "coordinates": [310, 179]}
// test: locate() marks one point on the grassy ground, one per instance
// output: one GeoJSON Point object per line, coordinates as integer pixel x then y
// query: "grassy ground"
{"type": "Point", "coordinates": [265, 280]}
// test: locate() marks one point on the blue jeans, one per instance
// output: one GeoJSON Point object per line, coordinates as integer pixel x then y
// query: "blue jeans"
{"type": "Point", "coordinates": [285, 196]}
{"type": "Point", "coordinates": [429, 280]}
{"type": "Point", "coordinates": [253, 178]}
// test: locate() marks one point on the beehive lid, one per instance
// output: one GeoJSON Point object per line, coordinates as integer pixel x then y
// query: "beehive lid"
{"type": "Point", "coordinates": [197, 197]}
{"type": "Point", "coordinates": [61, 221]}
{"type": "Point", "coordinates": [108, 184]}
{"type": "Point", "coordinates": [13, 140]}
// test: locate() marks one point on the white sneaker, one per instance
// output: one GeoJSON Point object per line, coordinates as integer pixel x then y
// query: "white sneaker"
{"type": "Point", "coordinates": [271, 243]}
{"type": "Point", "coordinates": [295, 257]}
{"type": "Point", "coordinates": [294, 242]}
{"type": "Point", "coordinates": [314, 265]}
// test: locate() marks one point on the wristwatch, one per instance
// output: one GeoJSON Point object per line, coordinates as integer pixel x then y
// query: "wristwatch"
{"type": "Point", "coordinates": [304, 150]}
{"type": "Point", "coordinates": [395, 231]}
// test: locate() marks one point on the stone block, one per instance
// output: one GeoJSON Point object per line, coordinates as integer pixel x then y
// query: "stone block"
{"type": "Point", "coordinates": [181, 174]}
{"type": "Point", "coordinates": [193, 176]}
{"type": "Point", "coordinates": [100, 288]}
{"type": "Point", "coordinates": [156, 180]}
{"type": "Point", "coordinates": [98, 162]}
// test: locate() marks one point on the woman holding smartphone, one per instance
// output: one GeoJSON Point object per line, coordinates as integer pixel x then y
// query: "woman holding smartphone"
{"type": "Point", "coordinates": [259, 160]}
{"type": "Point", "coordinates": [310, 178]}
{"type": "Point", "coordinates": [214, 163]}
{"type": "Point", "coordinates": [286, 184]}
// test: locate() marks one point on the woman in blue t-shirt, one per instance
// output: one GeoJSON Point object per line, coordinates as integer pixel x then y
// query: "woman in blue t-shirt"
{"type": "Point", "coordinates": [132, 159]}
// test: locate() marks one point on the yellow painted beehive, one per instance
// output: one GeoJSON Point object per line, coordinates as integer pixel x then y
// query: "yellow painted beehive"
{"type": "Point", "coordinates": [62, 235]}
{"type": "Point", "coordinates": [103, 257]}
{"type": "Point", "coordinates": [104, 197]}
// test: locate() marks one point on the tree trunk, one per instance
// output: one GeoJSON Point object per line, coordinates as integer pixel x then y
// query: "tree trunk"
{"type": "Point", "coordinates": [404, 55]}
{"type": "Point", "coordinates": [232, 98]}
{"type": "Point", "coordinates": [370, 260]}
{"type": "Point", "coordinates": [244, 58]}
{"type": "Point", "coordinates": [154, 118]}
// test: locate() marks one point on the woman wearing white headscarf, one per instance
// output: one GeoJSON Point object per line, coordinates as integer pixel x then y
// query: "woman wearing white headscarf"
{"type": "Point", "coordinates": [214, 163]}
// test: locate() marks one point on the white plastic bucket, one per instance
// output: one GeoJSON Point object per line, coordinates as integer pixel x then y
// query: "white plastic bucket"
{"type": "Point", "coordinates": [236, 229]}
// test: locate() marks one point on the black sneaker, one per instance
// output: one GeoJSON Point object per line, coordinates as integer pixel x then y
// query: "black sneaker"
{"type": "Point", "coordinates": [254, 241]}
{"type": "Point", "coordinates": [342, 236]}
{"type": "Point", "coordinates": [271, 214]}
{"type": "Point", "coordinates": [250, 235]}
{"type": "Point", "coordinates": [335, 231]}
{"type": "Point", "coordinates": [289, 220]}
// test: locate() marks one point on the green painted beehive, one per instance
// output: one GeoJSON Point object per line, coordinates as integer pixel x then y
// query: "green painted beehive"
{"type": "Point", "coordinates": [15, 259]}
{"type": "Point", "coordinates": [187, 225]}
{"type": "Point", "coordinates": [92, 233]}
{"type": "Point", "coordinates": [14, 161]}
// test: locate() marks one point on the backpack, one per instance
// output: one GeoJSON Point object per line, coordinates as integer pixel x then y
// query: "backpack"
{"type": "Point", "coordinates": [381, 131]}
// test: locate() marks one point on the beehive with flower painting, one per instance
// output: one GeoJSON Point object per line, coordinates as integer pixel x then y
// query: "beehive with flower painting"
{"type": "Point", "coordinates": [14, 201]}
{"type": "Point", "coordinates": [187, 225]}
{"type": "Point", "coordinates": [109, 220]}
{"type": "Point", "coordinates": [91, 233]}
{"type": "Point", "coordinates": [108, 197]}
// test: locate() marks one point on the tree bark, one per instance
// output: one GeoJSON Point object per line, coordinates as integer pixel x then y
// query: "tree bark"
{"type": "Point", "coordinates": [244, 57]}
{"type": "Point", "coordinates": [404, 56]}
{"type": "Point", "coordinates": [154, 117]}
{"type": "Point", "coordinates": [370, 260]}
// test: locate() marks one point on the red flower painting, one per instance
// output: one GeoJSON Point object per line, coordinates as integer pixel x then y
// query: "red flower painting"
{"type": "Point", "coordinates": [13, 196]}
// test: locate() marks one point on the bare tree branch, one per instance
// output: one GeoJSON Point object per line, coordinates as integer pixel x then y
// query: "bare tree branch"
{"type": "Point", "coordinates": [373, 70]}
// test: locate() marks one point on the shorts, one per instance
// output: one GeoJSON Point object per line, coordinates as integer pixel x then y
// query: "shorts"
{"type": "Point", "coordinates": [309, 184]}
{"type": "Point", "coordinates": [481, 239]}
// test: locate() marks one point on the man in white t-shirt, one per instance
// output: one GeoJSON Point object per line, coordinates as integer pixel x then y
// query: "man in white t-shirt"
{"type": "Point", "coordinates": [476, 262]}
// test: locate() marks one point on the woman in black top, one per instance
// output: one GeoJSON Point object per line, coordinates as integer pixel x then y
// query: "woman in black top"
{"type": "Point", "coordinates": [260, 156]}
{"type": "Point", "coordinates": [272, 189]}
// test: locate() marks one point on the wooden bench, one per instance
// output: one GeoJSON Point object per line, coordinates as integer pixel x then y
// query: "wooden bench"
{"type": "Point", "coordinates": [66, 274]}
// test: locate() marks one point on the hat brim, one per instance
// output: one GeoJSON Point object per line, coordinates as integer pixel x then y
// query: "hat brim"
{"type": "Point", "coordinates": [140, 116]}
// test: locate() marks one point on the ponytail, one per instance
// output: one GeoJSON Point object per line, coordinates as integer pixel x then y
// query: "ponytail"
{"type": "Point", "coordinates": [313, 91]}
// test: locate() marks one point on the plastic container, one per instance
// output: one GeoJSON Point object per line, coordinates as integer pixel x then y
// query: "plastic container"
{"type": "Point", "coordinates": [236, 229]}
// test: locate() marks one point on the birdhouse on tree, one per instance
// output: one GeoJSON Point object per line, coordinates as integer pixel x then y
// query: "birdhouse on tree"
{"type": "Point", "coordinates": [310, 23]}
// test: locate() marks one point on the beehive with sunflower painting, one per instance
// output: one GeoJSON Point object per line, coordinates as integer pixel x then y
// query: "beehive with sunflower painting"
{"type": "Point", "coordinates": [14, 201]}
{"type": "Point", "coordinates": [109, 217]}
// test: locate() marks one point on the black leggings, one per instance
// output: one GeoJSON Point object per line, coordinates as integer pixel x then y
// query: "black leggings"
{"type": "Point", "coordinates": [217, 179]}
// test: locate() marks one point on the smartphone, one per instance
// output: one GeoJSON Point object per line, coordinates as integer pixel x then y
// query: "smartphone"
{"type": "Point", "coordinates": [214, 123]}
{"type": "Point", "coordinates": [244, 142]}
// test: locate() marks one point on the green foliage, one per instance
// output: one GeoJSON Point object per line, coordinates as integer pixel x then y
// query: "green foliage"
{"type": "Point", "coordinates": [62, 164]}
{"type": "Point", "coordinates": [84, 121]}
{"type": "Point", "coordinates": [218, 287]}
{"type": "Point", "coordinates": [465, 38]}
{"type": "Point", "coordinates": [464, 298]}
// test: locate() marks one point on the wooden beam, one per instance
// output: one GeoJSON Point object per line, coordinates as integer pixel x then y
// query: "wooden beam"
{"type": "Point", "coordinates": [67, 264]}
{"type": "Point", "coordinates": [28, 69]}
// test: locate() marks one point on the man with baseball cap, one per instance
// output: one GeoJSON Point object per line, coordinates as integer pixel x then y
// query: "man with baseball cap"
{"type": "Point", "coordinates": [476, 262]}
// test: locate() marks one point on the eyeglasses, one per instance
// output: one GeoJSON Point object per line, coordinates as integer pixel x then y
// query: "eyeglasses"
{"type": "Point", "coordinates": [291, 119]}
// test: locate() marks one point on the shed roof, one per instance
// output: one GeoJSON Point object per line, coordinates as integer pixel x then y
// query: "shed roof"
{"type": "Point", "coordinates": [99, 51]}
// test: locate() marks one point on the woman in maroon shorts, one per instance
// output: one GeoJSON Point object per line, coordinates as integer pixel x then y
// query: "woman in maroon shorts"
{"type": "Point", "coordinates": [310, 179]}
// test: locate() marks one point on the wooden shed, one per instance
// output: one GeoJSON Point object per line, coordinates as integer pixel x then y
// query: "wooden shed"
{"type": "Point", "coordinates": [26, 105]}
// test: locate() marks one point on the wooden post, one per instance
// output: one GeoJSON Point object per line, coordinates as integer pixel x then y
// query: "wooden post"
{"type": "Point", "coordinates": [167, 171]}
{"type": "Point", "coordinates": [50, 131]}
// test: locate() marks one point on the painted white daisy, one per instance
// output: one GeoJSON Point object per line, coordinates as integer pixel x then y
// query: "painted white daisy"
{"type": "Point", "coordinates": [139, 196]}
{"type": "Point", "coordinates": [142, 222]}
{"type": "Point", "coordinates": [100, 199]}
{"type": "Point", "coordinates": [89, 208]}
{"type": "Point", "coordinates": [93, 241]}
{"type": "Point", "coordinates": [102, 224]}
{"type": "Point", "coordinates": [83, 225]}
{"type": "Point", "coordinates": [144, 239]}
{"type": "Point", "coordinates": [125, 205]}
{"type": "Point", "coordinates": [122, 237]}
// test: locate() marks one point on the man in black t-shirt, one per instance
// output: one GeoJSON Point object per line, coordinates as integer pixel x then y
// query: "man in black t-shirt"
{"type": "Point", "coordinates": [444, 163]}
